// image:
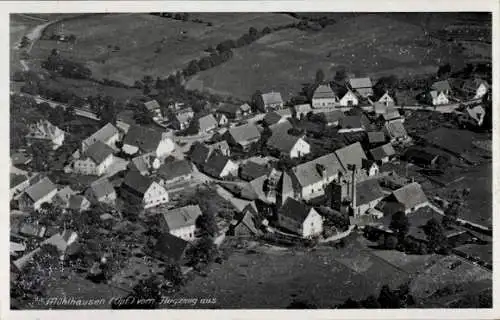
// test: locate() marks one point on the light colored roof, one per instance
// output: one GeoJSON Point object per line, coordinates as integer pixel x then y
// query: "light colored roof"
{"type": "Point", "coordinates": [244, 133]}
{"type": "Point", "coordinates": [310, 172]}
{"type": "Point", "coordinates": [207, 122]}
{"type": "Point", "coordinates": [101, 188]}
{"type": "Point", "coordinates": [323, 92]}
{"type": "Point", "coordinates": [62, 240]}
{"type": "Point", "coordinates": [391, 114]}
{"type": "Point", "coordinates": [245, 107]}
{"type": "Point", "coordinates": [376, 136]}
{"type": "Point", "coordinates": [410, 195]}
{"type": "Point", "coordinates": [103, 134]}
{"type": "Point", "coordinates": [352, 154]}
{"type": "Point", "coordinates": [367, 191]}
{"type": "Point", "coordinates": [152, 105]}
{"type": "Point", "coordinates": [303, 108]}
{"type": "Point", "coordinates": [396, 129]}
{"type": "Point", "coordinates": [272, 98]}
{"type": "Point", "coordinates": [183, 117]}
{"type": "Point", "coordinates": [40, 189]}
{"type": "Point", "coordinates": [383, 151]}
{"type": "Point", "coordinates": [98, 152]}
{"type": "Point", "coordinates": [43, 129]}
{"type": "Point", "coordinates": [182, 217]}
{"type": "Point", "coordinates": [65, 193]}
{"type": "Point", "coordinates": [443, 85]}
{"type": "Point", "coordinates": [142, 163]}
{"type": "Point", "coordinates": [357, 83]}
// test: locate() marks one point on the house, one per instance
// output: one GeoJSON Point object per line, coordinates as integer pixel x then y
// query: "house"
{"type": "Point", "coordinates": [406, 199]}
{"type": "Point", "coordinates": [386, 100]}
{"type": "Point", "coordinates": [207, 123]}
{"type": "Point", "coordinates": [351, 155]}
{"type": "Point", "coordinates": [299, 218]}
{"type": "Point", "coordinates": [273, 117]}
{"type": "Point", "coordinates": [286, 145]}
{"type": "Point", "coordinates": [176, 171]}
{"type": "Point", "coordinates": [154, 107]}
{"type": "Point", "coordinates": [16, 248]}
{"type": "Point", "coordinates": [144, 164]}
{"type": "Point", "coordinates": [477, 114]}
{"type": "Point", "coordinates": [270, 101]}
{"type": "Point", "coordinates": [34, 230]}
{"type": "Point", "coordinates": [380, 108]}
{"type": "Point", "coordinates": [383, 153]}
{"type": "Point", "coordinates": [349, 99]}
{"type": "Point", "coordinates": [351, 124]}
{"type": "Point", "coordinates": [245, 222]}
{"type": "Point", "coordinates": [301, 110]}
{"type": "Point", "coordinates": [437, 98]}
{"type": "Point", "coordinates": [332, 118]}
{"type": "Point", "coordinates": [20, 158]}
{"type": "Point", "coordinates": [170, 248]}
{"type": "Point", "coordinates": [251, 170]}
{"type": "Point", "coordinates": [242, 136]}
{"type": "Point", "coordinates": [108, 135]}
{"type": "Point", "coordinates": [283, 127]}
{"type": "Point", "coordinates": [66, 242]}
{"type": "Point", "coordinates": [324, 97]}
{"type": "Point", "coordinates": [33, 197]}
{"type": "Point", "coordinates": [78, 203]}
{"type": "Point", "coordinates": [18, 183]}
{"type": "Point", "coordinates": [245, 109]}
{"type": "Point", "coordinates": [222, 120]}
{"type": "Point", "coordinates": [395, 130]}
{"type": "Point", "coordinates": [46, 132]}
{"type": "Point", "coordinates": [362, 86]}
{"type": "Point", "coordinates": [149, 192]}
{"type": "Point", "coordinates": [140, 140]}
{"type": "Point", "coordinates": [180, 222]}
{"type": "Point", "coordinates": [475, 88]}
{"type": "Point", "coordinates": [376, 137]}
{"type": "Point", "coordinates": [182, 120]}
{"type": "Point", "coordinates": [200, 152]}
{"type": "Point", "coordinates": [390, 114]}
{"type": "Point", "coordinates": [441, 86]}
{"type": "Point", "coordinates": [61, 199]}
{"type": "Point", "coordinates": [101, 191]}
{"type": "Point", "coordinates": [220, 166]}
{"type": "Point", "coordinates": [231, 111]}
{"type": "Point", "coordinates": [308, 180]}
{"type": "Point", "coordinates": [370, 166]}
{"type": "Point", "coordinates": [362, 198]}
{"type": "Point", "coordinates": [422, 157]}
{"type": "Point", "coordinates": [96, 160]}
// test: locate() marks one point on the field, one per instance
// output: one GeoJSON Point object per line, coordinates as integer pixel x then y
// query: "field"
{"type": "Point", "coordinates": [325, 276]}
{"type": "Point", "coordinates": [147, 44]}
{"type": "Point", "coordinates": [19, 26]}
{"type": "Point", "coordinates": [368, 44]}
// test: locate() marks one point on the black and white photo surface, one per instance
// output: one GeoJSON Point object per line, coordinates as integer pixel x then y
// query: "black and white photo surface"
{"type": "Point", "coordinates": [251, 160]}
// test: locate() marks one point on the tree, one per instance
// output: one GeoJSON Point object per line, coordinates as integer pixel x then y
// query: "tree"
{"type": "Point", "coordinates": [69, 113]}
{"type": "Point", "coordinates": [387, 83]}
{"type": "Point", "coordinates": [173, 274]}
{"type": "Point", "coordinates": [320, 76]}
{"type": "Point", "coordinates": [25, 41]}
{"type": "Point", "coordinates": [40, 161]}
{"type": "Point", "coordinates": [370, 302]}
{"type": "Point", "coordinates": [435, 235]}
{"type": "Point", "coordinates": [301, 304]}
{"type": "Point", "coordinates": [192, 68]}
{"type": "Point", "coordinates": [253, 32]}
{"type": "Point", "coordinates": [388, 299]}
{"type": "Point", "coordinates": [350, 304]}
{"type": "Point", "coordinates": [340, 75]}
{"type": "Point", "coordinates": [56, 116]}
{"type": "Point", "coordinates": [400, 224]}
{"type": "Point", "coordinates": [390, 242]}
{"type": "Point", "coordinates": [204, 251]}
{"type": "Point", "coordinates": [266, 30]}
{"type": "Point", "coordinates": [207, 224]}
{"type": "Point", "coordinates": [444, 71]}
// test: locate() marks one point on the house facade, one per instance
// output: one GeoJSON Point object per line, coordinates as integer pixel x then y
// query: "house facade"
{"type": "Point", "coordinates": [181, 222]}
{"type": "Point", "coordinates": [270, 101]}
{"type": "Point", "coordinates": [300, 219]}
{"type": "Point", "coordinates": [44, 131]}
{"type": "Point", "coordinates": [101, 191]}
{"type": "Point", "coordinates": [95, 161]}
{"type": "Point", "coordinates": [33, 197]}
{"type": "Point", "coordinates": [348, 100]}
{"type": "Point", "coordinates": [323, 97]}
{"type": "Point", "coordinates": [386, 99]}
{"type": "Point", "coordinates": [108, 135]}
{"type": "Point", "coordinates": [437, 98]}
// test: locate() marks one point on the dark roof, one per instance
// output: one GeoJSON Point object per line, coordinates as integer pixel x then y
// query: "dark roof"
{"type": "Point", "coordinates": [383, 151]}
{"type": "Point", "coordinates": [170, 247]}
{"type": "Point", "coordinates": [216, 163]}
{"type": "Point", "coordinates": [137, 182]}
{"type": "Point", "coordinates": [172, 169]}
{"type": "Point", "coordinates": [295, 210]}
{"type": "Point", "coordinates": [251, 170]}
{"type": "Point", "coordinates": [98, 152]}
{"type": "Point", "coordinates": [311, 172]}
{"type": "Point", "coordinates": [75, 202]}
{"type": "Point", "coordinates": [16, 179]}
{"type": "Point", "coordinates": [20, 158]}
{"type": "Point", "coordinates": [376, 136]}
{"type": "Point", "coordinates": [40, 189]}
{"type": "Point", "coordinates": [282, 141]}
{"type": "Point", "coordinates": [146, 139]}
{"type": "Point", "coordinates": [348, 122]}
{"type": "Point", "coordinates": [333, 116]}
{"type": "Point", "coordinates": [351, 154]}
{"type": "Point", "coordinates": [244, 133]}
{"type": "Point", "coordinates": [272, 117]}
{"type": "Point", "coordinates": [199, 153]}
{"type": "Point", "coordinates": [101, 188]}
{"type": "Point", "coordinates": [367, 191]}
{"type": "Point", "coordinates": [443, 85]}
{"type": "Point", "coordinates": [230, 109]}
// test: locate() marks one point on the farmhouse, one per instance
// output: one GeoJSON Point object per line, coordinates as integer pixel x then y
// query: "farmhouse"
{"type": "Point", "coordinates": [33, 197]}
{"type": "Point", "coordinates": [181, 121]}
{"type": "Point", "coordinates": [108, 135]}
{"type": "Point", "coordinates": [437, 98]}
{"type": "Point", "coordinates": [231, 111]}
{"type": "Point", "coordinates": [251, 170]}
{"type": "Point", "coordinates": [270, 101]}
{"type": "Point", "coordinates": [222, 120]}
{"type": "Point", "coordinates": [441, 86]}
{"type": "Point", "coordinates": [376, 137]}
{"type": "Point", "coordinates": [349, 99]}
{"type": "Point", "coordinates": [78, 203]}
{"type": "Point", "coordinates": [61, 199]}
{"type": "Point", "coordinates": [301, 110]}
{"type": "Point", "coordinates": [176, 171]}
{"type": "Point", "coordinates": [170, 248]}
{"type": "Point", "coordinates": [243, 136]}
{"type": "Point", "coordinates": [207, 123]}
{"type": "Point", "coordinates": [18, 183]}
{"type": "Point", "coordinates": [273, 117]}
{"type": "Point", "coordinates": [220, 166]}
{"type": "Point", "coordinates": [383, 154]}
{"type": "Point", "coordinates": [101, 191]}
{"type": "Point", "coordinates": [333, 118]}
{"type": "Point", "coordinates": [284, 144]}
{"type": "Point", "coordinates": [395, 130]}
{"type": "Point", "coordinates": [371, 167]}
{"type": "Point", "coordinates": [386, 100]}
{"type": "Point", "coordinates": [20, 158]}
{"type": "Point", "coordinates": [245, 110]}
{"type": "Point", "coordinates": [154, 107]}
{"type": "Point", "coordinates": [391, 114]}
{"type": "Point", "coordinates": [144, 164]}
{"type": "Point", "coordinates": [362, 86]}
{"type": "Point", "coordinates": [350, 124]}
{"type": "Point", "coordinates": [351, 155]}
{"type": "Point", "coordinates": [143, 140]}
{"type": "Point", "coordinates": [46, 132]}
{"type": "Point", "coordinates": [244, 222]}
{"type": "Point", "coordinates": [421, 157]}
{"type": "Point", "coordinates": [477, 114]}
{"type": "Point", "coordinates": [324, 97]}
{"type": "Point", "coordinates": [180, 222]}
{"type": "Point", "coordinates": [297, 217]}
{"type": "Point", "coordinates": [149, 192]}
{"type": "Point", "coordinates": [475, 88]}
{"type": "Point", "coordinates": [95, 161]}
{"type": "Point", "coordinates": [406, 199]}
{"type": "Point", "coordinates": [362, 198]}
{"type": "Point", "coordinates": [200, 152]}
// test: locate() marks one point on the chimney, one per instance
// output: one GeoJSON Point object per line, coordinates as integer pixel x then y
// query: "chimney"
{"type": "Point", "coordinates": [353, 187]}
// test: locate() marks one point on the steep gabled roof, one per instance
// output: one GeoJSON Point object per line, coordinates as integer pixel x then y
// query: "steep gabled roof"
{"type": "Point", "coordinates": [17, 179]}
{"type": "Point", "coordinates": [295, 210]}
{"type": "Point", "coordinates": [76, 201]}
{"type": "Point", "coordinates": [351, 122]}
{"type": "Point", "coordinates": [376, 137]}
{"type": "Point", "coordinates": [170, 247]}
{"type": "Point", "coordinates": [207, 122]}
{"type": "Point", "coordinates": [323, 92]}
{"type": "Point", "coordinates": [357, 83]}
{"type": "Point", "coordinates": [282, 141]}
{"type": "Point", "coordinates": [40, 189]}
{"type": "Point", "coordinates": [333, 116]}
{"type": "Point", "coordinates": [383, 151]}
{"type": "Point", "coordinates": [182, 217]}
{"type": "Point", "coordinates": [244, 133]}
{"type": "Point", "coordinates": [440, 86]}
{"type": "Point", "coordinates": [311, 172]}
{"type": "Point", "coordinates": [367, 191]}
{"type": "Point", "coordinates": [254, 170]}
{"type": "Point", "coordinates": [410, 195]}
{"type": "Point", "coordinates": [101, 188]}
{"type": "Point", "coordinates": [272, 117]}
{"type": "Point", "coordinates": [103, 134]}
{"type": "Point", "coordinates": [172, 169]}
{"type": "Point", "coordinates": [145, 139]}
{"type": "Point", "coordinates": [216, 163]}
{"type": "Point", "coordinates": [152, 105]}
{"type": "Point", "coordinates": [137, 182]}
{"type": "Point", "coordinates": [98, 152]}
{"type": "Point", "coordinates": [352, 154]}
{"type": "Point", "coordinates": [272, 98]}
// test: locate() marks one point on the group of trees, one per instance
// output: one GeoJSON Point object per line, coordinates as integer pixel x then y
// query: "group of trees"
{"type": "Point", "coordinates": [387, 299]}
{"type": "Point", "coordinates": [70, 69]}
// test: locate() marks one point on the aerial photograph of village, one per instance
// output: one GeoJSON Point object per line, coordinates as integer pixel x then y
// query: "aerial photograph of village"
{"type": "Point", "coordinates": [263, 160]}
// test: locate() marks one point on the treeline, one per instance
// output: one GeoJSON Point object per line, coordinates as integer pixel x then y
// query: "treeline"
{"type": "Point", "coordinates": [223, 51]}
{"type": "Point", "coordinates": [181, 17]}
{"type": "Point", "coordinates": [66, 68]}
{"type": "Point", "coordinates": [387, 299]}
